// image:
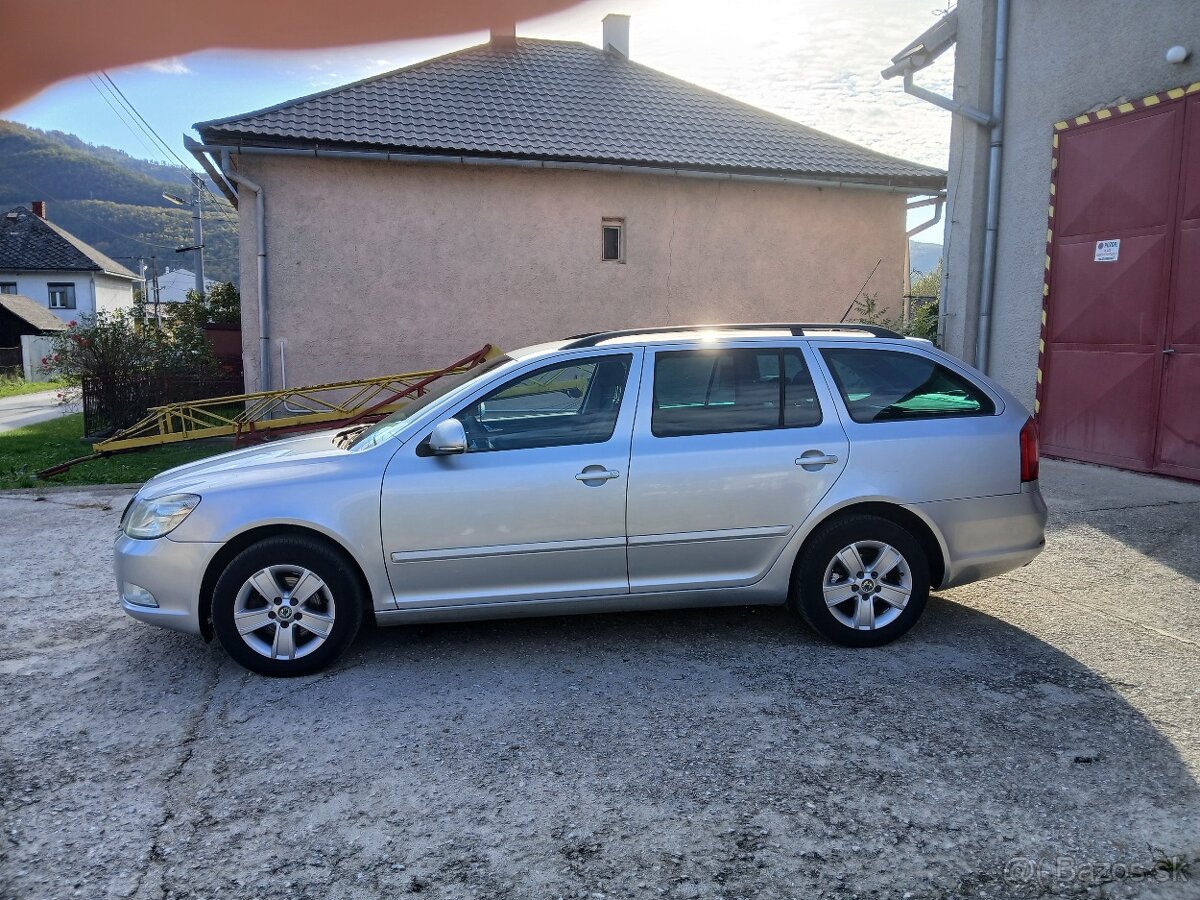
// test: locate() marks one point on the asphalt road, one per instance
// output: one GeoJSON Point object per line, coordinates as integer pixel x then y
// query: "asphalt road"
{"type": "Point", "coordinates": [1035, 735]}
{"type": "Point", "coordinates": [16, 412]}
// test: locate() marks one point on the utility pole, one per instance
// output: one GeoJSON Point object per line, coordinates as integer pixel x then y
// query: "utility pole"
{"type": "Point", "coordinates": [141, 261]}
{"type": "Point", "coordinates": [154, 267]}
{"type": "Point", "coordinates": [198, 232]}
{"type": "Point", "coordinates": [197, 226]}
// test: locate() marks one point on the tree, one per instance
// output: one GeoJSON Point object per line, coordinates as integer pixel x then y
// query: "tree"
{"type": "Point", "coordinates": [113, 345]}
{"type": "Point", "coordinates": [924, 300]}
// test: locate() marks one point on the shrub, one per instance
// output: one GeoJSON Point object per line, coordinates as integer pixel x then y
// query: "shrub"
{"type": "Point", "coordinates": [116, 345]}
{"type": "Point", "coordinates": [923, 313]}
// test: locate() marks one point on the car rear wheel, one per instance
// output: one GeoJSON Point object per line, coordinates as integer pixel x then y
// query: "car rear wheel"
{"type": "Point", "coordinates": [287, 606]}
{"type": "Point", "coordinates": [862, 582]}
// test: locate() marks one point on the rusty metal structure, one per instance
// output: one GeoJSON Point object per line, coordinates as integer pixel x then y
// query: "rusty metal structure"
{"type": "Point", "coordinates": [256, 417]}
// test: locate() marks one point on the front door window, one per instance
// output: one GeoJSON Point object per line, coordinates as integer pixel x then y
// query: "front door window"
{"type": "Point", "coordinates": [557, 406]}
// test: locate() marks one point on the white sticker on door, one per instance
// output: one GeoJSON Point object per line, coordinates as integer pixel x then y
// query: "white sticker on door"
{"type": "Point", "coordinates": [1108, 251]}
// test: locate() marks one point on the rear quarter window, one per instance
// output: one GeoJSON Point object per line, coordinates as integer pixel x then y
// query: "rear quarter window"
{"type": "Point", "coordinates": [890, 385]}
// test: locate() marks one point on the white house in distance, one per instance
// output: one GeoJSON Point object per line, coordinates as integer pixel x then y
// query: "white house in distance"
{"type": "Point", "coordinates": [173, 285]}
{"type": "Point", "coordinates": [72, 279]}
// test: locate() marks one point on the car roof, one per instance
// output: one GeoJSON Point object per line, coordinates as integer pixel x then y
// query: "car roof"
{"type": "Point", "coordinates": [706, 334]}
{"type": "Point", "coordinates": [677, 333]}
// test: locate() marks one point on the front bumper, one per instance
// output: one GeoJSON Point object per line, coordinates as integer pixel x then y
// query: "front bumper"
{"type": "Point", "coordinates": [171, 571]}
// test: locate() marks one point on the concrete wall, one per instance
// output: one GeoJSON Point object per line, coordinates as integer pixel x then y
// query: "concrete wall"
{"type": "Point", "coordinates": [113, 293]}
{"type": "Point", "coordinates": [1066, 57]}
{"type": "Point", "coordinates": [35, 348]}
{"type": "Point", "coordinates": [375, 267]}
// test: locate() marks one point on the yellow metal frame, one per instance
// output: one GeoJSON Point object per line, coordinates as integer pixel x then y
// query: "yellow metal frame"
{"type": "Point", "coordinates": [268, 411]}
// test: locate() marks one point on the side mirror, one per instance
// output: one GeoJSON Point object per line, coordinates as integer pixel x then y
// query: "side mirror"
{"type": "Point", "coordinates": [448, 437]}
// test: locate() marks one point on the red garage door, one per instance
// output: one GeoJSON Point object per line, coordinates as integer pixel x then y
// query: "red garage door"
{"type": "Point", "coordinates": [1121, 367]}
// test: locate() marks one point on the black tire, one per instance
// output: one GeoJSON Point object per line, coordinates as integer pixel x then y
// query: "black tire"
{"type": "Point", "coordinates": [340, 586]}
{"type": "Point", "coordinates": [818, 557]}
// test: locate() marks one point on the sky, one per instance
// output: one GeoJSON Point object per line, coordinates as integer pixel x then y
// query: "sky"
{"type": "Point", "coordinates": [815, 62]}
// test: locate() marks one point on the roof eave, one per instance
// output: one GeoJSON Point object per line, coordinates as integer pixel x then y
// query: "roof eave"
{"type": "Point", "coordinates": [256, 144]}
{"type": "Point", "coordinates": [91, 270]}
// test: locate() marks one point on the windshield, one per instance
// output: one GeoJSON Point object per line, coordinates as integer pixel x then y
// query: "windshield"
{"type": "Point", "coordinates": [384, 429]}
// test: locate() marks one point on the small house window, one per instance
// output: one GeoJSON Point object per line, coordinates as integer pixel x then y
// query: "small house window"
{"type": "Point", "coordinates": [612, 240]}
{"type": "Point", "coordinates": [62, 296]}
{"type": "Point", "coordinates": [8, 287]}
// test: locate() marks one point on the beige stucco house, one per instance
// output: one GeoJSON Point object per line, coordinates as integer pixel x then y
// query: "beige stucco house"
{"type": "Point", "coordinates": [525, 190]}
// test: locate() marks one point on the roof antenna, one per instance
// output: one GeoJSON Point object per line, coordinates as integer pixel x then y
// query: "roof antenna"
{"type": "Point", "coordinates": [860, 291]}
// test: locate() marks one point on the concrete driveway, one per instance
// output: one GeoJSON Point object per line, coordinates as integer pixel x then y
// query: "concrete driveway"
{"type": "Point", "coordinates": [26, 409]}
{"type": "Point", "coordinates": [1035, 735]}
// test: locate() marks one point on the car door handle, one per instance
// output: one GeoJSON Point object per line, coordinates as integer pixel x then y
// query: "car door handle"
{"type": "Point", "coordinates": [817, 458]}
{"type": "Point", "coordinates": [598, 474]}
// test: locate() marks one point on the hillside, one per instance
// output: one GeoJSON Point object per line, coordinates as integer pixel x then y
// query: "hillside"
{"type": "Point", "coordinates": [113, 201]}
{"type": "Point", "coordinates": [923, 257]}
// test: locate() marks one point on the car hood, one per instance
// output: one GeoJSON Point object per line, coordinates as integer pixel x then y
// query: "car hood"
{"type": "Point", "coordinates": [278, 459]}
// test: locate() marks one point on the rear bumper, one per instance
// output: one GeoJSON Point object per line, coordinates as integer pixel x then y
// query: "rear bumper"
{"type": "Point", "coordinates": [170, 572]}
{"type": "Point", "coordinates": [987, 536]}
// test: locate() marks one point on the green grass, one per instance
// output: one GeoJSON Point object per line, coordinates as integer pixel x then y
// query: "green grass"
{"type": "Point", "coordinates": [25, 451]}
{"type": "Point", "coordinates": [14, 386]}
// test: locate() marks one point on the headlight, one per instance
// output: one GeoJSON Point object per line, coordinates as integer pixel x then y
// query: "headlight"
{"type": "Point", "coordinates": [154, 518]}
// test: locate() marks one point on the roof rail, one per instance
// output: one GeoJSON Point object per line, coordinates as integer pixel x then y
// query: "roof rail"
{"type": "Point", "coordinates": [797, 329]}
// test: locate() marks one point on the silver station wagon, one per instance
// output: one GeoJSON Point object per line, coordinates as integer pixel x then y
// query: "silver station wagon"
{"type": "Point", "coordinates": [840, 469]}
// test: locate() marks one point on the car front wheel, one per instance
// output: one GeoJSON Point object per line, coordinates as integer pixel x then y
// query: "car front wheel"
{"type": "Point", "coordinates": [287, 606]}
{"type": "Point", "coordinates": [862, 582]}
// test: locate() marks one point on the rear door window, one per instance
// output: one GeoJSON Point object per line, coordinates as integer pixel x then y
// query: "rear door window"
{"type": "Point", "coordinates": [720, 391]}
{"type": "Point", "coordinates": [890, 385]}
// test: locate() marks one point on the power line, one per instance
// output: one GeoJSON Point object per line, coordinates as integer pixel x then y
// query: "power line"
{"type": "Point", "coordinates": [124, 120]}
{"type": "Point", "coordinates": [218, 205]}
{"type": "Point", "coordinates": [123, 113]}
{"type": "Point", "coordinates": [221, 206]}
{"type": "Point", "coordinates": [96, 221]}
{"type": "Point", "coordinates": [142, 118]}
{"type": "Point", "coordinates": [119, 110]}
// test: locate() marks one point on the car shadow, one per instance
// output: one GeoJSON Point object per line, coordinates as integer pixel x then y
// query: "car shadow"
{"type": "Point", "coordinates": [712, 752]}
{"type": "Point", "coordinates": [964, 746]}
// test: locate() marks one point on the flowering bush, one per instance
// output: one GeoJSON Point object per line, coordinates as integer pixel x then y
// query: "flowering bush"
{"type": "Point", "coordinates": [114, 345]}
{"type": "Point", "coordinates": [107, 344]}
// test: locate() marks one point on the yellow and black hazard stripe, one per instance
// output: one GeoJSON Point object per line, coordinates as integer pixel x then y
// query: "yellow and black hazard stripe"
{"type": "Point", "coordinates": [1090, 118]}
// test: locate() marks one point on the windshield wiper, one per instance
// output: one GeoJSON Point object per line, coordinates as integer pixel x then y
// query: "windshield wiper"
{"type": "Point", "coordinates": [343, 438]}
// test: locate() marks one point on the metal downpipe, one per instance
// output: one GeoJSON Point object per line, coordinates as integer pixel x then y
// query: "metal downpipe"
{"type": "Point", "coordinates": [260, 228]}
{"type": "Point", "coordinates": [987, 277]}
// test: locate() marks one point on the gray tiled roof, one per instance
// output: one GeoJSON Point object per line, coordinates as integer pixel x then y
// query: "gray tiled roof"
{"type": "Point", "coordinates": [32, 312]}
{"type": "Point", "coordinates": [30, 243]}
{"type": "Point", "coordinates": [563, 101]}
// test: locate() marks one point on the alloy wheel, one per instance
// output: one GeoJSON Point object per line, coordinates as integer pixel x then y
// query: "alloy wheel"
{"type": "Point", "coordinates": [867, 584]}
{"type": "Point", "coordinates": [284, 612]}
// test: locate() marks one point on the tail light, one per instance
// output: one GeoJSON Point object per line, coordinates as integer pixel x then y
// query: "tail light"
{"type": "Point", "coordinates": [1029, 451]}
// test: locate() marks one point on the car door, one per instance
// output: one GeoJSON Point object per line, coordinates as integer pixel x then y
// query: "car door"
{"type": "Point", "coordinates": [535, 508]}
{"type": "Point", "coordinates": [718, 479]}
{"type": "Point", "coordinates": [923, 428]}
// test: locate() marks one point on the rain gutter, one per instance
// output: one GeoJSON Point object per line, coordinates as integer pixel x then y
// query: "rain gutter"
{"type": "Point", "coordinates": [505, 162]}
